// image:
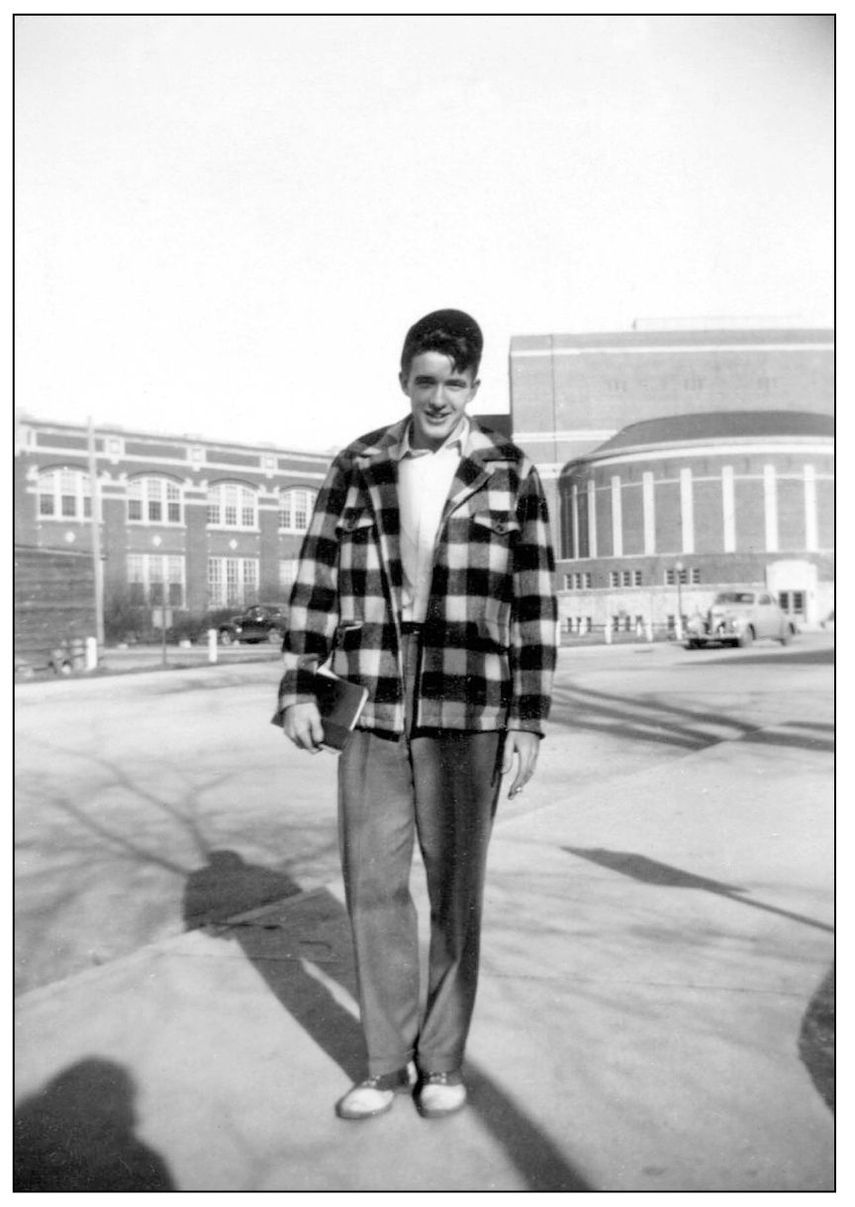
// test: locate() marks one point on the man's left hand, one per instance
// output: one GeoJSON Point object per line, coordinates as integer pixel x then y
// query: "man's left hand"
{"type": "Point", "coordinates": [527, 746]}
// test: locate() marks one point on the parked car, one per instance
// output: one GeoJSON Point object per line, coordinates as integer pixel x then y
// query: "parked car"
{"type": "Point", "coordinates": [261, 622]}
{"type": "Point", "coordinates": [737, 618]}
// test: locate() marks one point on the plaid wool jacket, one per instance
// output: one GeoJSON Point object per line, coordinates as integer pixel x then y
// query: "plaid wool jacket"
{"type": "Point", "coordinates": [488, 645]}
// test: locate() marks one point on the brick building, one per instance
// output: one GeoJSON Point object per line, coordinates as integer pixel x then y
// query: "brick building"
{"type": "Point", "coordinates": [675, 463]}
{"type": "Point", "coordinates": [680, 462]}
{"type": "Point", "coordinates": [197, 524]}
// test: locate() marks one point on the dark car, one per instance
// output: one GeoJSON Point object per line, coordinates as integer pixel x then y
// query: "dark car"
{"type": "Point", "coordinates": [261, 622]}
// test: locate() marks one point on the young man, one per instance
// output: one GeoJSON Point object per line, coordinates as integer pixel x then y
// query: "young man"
{"type": "Point", "coordinates": [426, 575]}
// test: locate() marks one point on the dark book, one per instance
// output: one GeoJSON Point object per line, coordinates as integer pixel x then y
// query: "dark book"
{"type": "Point", "coordinates": [339, 703]}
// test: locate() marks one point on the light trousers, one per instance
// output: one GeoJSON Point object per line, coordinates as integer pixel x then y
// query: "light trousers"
{"type": "Point", "coordinates": [439, 787]}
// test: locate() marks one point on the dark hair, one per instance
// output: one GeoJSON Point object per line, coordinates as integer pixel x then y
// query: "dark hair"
{"type": "Point", "coordinates": [451, 332]}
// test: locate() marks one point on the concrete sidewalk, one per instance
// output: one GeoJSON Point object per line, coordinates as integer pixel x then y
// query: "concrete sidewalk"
{"type": "Point", "coordinates": [648, 960]}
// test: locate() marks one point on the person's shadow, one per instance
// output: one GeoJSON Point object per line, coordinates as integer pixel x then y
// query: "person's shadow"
{"type": "Point", "coordinates": [316, 930]}
{"type": "Point", "coordinates": [278, 942]}
{"type": "Point", "coordinates": [77, 1133]}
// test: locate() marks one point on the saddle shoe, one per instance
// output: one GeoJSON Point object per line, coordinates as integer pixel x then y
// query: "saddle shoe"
{"type": "Point", "coordinates": [374, 1096]}
{"type": "Point", "coordinates": [439, 1094]}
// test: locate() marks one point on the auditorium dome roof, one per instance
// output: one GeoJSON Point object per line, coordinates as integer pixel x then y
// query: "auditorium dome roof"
{"type": "Point", "coordinates": [715, 425]}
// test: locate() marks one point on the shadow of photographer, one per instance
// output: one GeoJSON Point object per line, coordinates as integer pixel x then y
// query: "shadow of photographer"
{"type": "Point", "coordinates": [77, 1134]}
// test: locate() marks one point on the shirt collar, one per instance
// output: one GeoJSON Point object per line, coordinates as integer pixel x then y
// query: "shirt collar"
{"type": "Point", "coordinates": [458, 438]}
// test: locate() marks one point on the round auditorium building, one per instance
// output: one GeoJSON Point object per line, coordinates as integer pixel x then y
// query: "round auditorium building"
{"type": "Point", "coordinates": [669, 511]}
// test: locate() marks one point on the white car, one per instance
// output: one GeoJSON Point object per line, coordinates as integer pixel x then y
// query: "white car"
{"type": "Point", "coordinates": [738, 618]}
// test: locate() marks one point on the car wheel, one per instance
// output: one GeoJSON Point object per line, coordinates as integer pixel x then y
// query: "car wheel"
{"type": "Point", "coordinates": [225, 637]}
{"type": "Point", "coordinates": [746, 638]}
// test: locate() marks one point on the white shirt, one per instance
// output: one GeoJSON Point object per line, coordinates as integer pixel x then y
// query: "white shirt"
{"type": "Point", "coordinates": [424, 479]}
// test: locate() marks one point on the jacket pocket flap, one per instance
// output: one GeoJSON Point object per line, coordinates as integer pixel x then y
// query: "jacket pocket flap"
{"type": "Point", "coordinates": [353, 520]}
{"type": "Point", "coordinates": [501, 523]}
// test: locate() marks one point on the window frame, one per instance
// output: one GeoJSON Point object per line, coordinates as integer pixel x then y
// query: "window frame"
{"type": "Point", "coordinates": [148, 498]}
{"type": "Point", "coordinates": [288, 515]}
{"type": "Point", "coordinates": [149, 570]}
{"type": "Point", "coordinates": [237, 505]}
{"type": "Point", "coordinates": [68, 483]}
{"type": "Point", "coordinates": [232, 569]}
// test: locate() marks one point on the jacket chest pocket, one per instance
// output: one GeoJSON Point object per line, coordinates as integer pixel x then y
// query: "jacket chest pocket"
{"type": "Point", "coordinates": [356, 527]}
{"type": "Point", "coordinates": [500, 526]}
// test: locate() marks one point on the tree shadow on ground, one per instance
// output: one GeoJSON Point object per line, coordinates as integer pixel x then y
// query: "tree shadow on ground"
{"type": "Point", "coordinates": [77, 1134]}
{"type": "Point", "coordinates": [820, 657]}
{"type": "Point", "coordinates": [656, 721]}
{"type": "Point", "coordinates": [314, 930]}
{"type": "Point", "coordinates": [650, 871]}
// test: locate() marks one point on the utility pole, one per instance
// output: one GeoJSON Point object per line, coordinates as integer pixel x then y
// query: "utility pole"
{"type": "Point", "coordinates": [98, 565]}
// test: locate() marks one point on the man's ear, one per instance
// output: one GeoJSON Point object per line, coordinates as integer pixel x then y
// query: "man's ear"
{"type": "Point", "coordinates": [402, 381]}
{"type": "Point", "coordinates": [475, 386]}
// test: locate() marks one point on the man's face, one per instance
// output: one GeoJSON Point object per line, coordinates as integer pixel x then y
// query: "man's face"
{"type": "Point", "coordinates": [438, 395]}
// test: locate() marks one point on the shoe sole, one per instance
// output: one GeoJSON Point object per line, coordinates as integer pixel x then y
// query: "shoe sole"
{"type": "Point", "coordinates": [357, 1117]}
{"type": "Point", "coordinates": [427, 1112]}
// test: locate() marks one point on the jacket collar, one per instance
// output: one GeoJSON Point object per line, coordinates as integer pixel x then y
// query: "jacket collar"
{"type": "Point", "coordinates": [480, 445]}
{"type": "Point", "coordinates": [379, 468]}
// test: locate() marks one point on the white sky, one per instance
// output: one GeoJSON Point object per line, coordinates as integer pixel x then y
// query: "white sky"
{"type": "Point", "coordinates": [224, 225]}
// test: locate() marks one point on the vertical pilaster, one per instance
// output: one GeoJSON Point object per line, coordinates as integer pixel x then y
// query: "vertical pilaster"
{"type": "Point", "coordinates": [728, 508]}
{"type": "Point", "coordinates": [592, 518]}
{"type": "Point", "coordinates": [649, 504]}
{"type": "Point", "coordinates": [617, 517]}
{"type": "Point", "coordinates": [687, 510]}
{"type": "Point", "coordinates": [770, 507]}
{"type": "Point", "coordinates": [811, 525]}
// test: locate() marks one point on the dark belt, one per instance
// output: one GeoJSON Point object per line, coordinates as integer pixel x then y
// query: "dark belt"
{"type": "Point", "coordinates": [408, 627]}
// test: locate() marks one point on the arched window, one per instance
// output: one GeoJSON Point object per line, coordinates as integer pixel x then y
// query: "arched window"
{"type": "Point", "coordinates": [295, 509]}
{"type": "Point", "coordinates": [231, 505]}
{"type": "Point", "coordinates": [154, 500]}
{"type": "Point", "coordinates": [64, 494]}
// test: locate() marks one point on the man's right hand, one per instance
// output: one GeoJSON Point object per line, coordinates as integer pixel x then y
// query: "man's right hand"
{"type": "Point", "coordinates": [302, 724]}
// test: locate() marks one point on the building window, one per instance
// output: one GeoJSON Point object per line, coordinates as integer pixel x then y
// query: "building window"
{"type": "Point", "coordinates": [232, 581]}
{"type": "Point", "coordinates": [64, 494]}
{"type": "Point", "coordinates": [287, 573]}
{"type": "Point", "coordinates": [578, 582]}
{"type": "Point", "coordinates": [154, 500]}
{"type": "Point", "coordinates": [295, 509]}
{"type": "Point", "coordinates": [156, 579]}
{"type": "Point", "coordinates": [231, 505]}
{"type": "Point", "coordinates": [625, 578]}
{"type": "Point", "coordinates": [792, 602]}
{"type": "Point", "coordinates": [692, 575]}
